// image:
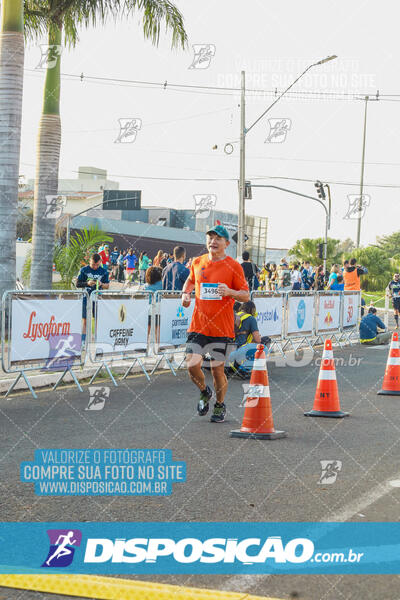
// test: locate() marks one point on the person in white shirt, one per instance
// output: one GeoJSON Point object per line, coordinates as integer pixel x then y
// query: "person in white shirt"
{"type": "Point", "coordinates": [295, 277]}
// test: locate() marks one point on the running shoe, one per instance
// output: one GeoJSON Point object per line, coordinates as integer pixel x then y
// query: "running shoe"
{"type": "Point", "coordinates": [204, 402]}
{"type": "Point", "coordinates": [219, 413]}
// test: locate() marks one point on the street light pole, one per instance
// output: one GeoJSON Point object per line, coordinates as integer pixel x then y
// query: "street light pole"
{"type": "Point", "coordinates": [241, 211]}
{"type": "Point", "coordinates": [360, 200]}
{"type": "Point", "coordinates": [243, 133]}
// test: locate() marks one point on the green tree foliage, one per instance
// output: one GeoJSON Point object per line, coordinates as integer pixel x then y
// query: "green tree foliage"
{"type": "Point", "coordinates": [307, 249]}
{"type": "Point", "coordinates": [69, 259]}
{"type": "Point", "coordinates": [390, 244]}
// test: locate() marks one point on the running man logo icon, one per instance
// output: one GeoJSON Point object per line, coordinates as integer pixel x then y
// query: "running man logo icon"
{"type": "Point", "coordinates": [330, 470]}
{"type": "Point", "coordinates": [63, 351]}
{"type": "Point", "coordinates": [50, 55]}
{"type": "Point", "coordinates": [357, 206]}
{"type": "Point", "coordinates": [203, 53]}
{"type": "Point", "coordinates": [54, 207]}
{"type": "Point", "coordinates": [63, 543]}
{"type": "Point", "coordinates": [98, 397]}
{"type": "Point", "coordinates": [278, 129]}
{"type": "Point", "coordinates": [128, 129]}
{"type": "Point", "coordinates": [204, 204]}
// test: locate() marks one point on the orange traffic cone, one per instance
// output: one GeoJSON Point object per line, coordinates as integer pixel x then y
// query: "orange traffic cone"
{"type": "Point", "coordinates": [257, 419]}
{"type": "Point", "coordinates": [326, 401]}
{"type": "Point", "coordinates": [391, 380]}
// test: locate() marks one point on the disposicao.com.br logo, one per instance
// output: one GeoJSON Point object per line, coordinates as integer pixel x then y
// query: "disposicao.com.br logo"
{"type": "Point", "coordinates": [212, 550]}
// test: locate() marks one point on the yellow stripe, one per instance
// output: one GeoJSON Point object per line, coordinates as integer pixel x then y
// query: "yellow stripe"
{"type": "Point", "coordinates": [108, 588]}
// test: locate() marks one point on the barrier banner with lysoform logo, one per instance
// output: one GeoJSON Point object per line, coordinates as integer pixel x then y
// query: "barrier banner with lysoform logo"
{"type": "Point", "coordinates": [174, 321]}
{"type": "Point", "coordinates": [269, 315]}
{"type": "Point", "coordinates": [122, 324]}
{"type": "Point", "coordinates": [194, 548]}
{"type": "Point", "coordinates": [350, 309]}
{"type": "Point", "coordinates": [301, 314]}
{"type": "Point", "coordinates": [45, 328]}
{"type": "Point", "coordinates": [329, 312]}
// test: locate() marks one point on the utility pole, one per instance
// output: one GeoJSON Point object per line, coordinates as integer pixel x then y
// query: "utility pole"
{"type": "Point", "coordinates": [241, 212]}
{"type": "Point", "coordinates": [360, 201]}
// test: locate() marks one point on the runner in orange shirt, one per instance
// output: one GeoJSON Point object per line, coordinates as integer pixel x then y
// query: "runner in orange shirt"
{"type": "Point", "coordinates": [218, 281]}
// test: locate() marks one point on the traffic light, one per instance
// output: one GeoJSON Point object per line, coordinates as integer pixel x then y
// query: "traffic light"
{"type": "Point", "coordinates": [247, 190]}
{"type": "Point", "coordinates": [320, 250]}
{"type": "Point", "coordinates": [320, 190]}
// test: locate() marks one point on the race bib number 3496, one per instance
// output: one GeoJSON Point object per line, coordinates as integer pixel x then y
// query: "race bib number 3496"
{"type": "Point", "coordinates": [209, 291]}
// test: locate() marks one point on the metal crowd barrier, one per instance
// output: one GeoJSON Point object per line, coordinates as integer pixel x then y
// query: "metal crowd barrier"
{"type": "Point", "coordinates": [271, 316]}
{"type": "Point", "coordinates": [38, 335]}
{"type": "Point", "coordinates": [171, 321]}
{"type": "Point", "coordinates": [137, 325]}
{"type": "Point", "coordinates": [122, 329]}
{"type": "Point", "coordinates": [327, 315]}
{"type": "Point", "coordinates": [299, 327]}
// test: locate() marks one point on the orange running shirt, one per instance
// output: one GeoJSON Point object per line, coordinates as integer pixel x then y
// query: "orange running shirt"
{"type": "Point", "coordinates": [214, 317]}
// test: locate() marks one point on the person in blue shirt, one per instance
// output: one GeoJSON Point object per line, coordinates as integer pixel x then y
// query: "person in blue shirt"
{"type": "Point", "coordinates": [369, 329]}
{"type": "Point", "coordinates": [113, 260]}
{"type": "Point", "coordinates": [175, 273]}
{"type": "Point", "coordinates": [338, 285]}
{"type": "Point", "coordinates": [92, 277]}
{"type": "Point", "coordinates": [131, 260]}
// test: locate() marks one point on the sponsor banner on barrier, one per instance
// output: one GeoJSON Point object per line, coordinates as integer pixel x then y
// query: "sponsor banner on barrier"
{"type": "Point", "coordinates": [122, 324]}
{"type": "Point", "coordinates": [194, 548]}
{"type": "Point", "coordinates": [174, 321]}
{"type": "Point", "coordinates": [301, 314]}
{"type": "Point", "coordinates": [350, 309]}
{"type": "Point", "coordinates": [269, 315]}
{"type": "Point", "coordinates": [329, 312]}
{"type": "Point", "coordinates": [46, 330]}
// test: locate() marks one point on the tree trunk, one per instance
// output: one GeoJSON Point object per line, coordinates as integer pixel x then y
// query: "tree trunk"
{"type": "Point", "coordinates": [11, 83]}
{"type": "Point", "coordinates": [46, 179]}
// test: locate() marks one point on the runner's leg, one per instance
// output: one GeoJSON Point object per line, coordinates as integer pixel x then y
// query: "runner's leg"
{"type": "Point", "coordinates": [220, 380]}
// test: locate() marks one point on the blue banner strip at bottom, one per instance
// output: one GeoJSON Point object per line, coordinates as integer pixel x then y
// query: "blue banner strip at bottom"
{"type": "Point", "coordinates": [191, 548]}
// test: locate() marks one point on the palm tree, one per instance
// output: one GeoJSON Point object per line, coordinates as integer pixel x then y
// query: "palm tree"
{"type": "Point", "coordinates": [11, 81]}
{"type": "Point", "coordinates": [61, 21]}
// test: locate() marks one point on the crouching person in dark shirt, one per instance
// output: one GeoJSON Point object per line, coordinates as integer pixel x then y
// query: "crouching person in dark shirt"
{"type": "Point", "coordinates": [369, 326]}
{"type": "Point", "coordinates": [247, 339]}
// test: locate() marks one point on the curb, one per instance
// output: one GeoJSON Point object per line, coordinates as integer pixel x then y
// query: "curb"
{"type": "Point", "coordinates": [109, 588]}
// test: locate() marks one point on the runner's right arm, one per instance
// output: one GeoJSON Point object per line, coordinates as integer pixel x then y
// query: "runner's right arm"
{"type": "Point", "coordinates": [188, 287]}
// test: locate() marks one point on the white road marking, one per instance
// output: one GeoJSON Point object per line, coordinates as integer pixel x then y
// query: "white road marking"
{"type": "Point", "coordinates": [364, 501]}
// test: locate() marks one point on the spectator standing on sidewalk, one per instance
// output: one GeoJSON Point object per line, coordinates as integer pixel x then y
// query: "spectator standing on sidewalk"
{"type": "Point", "coordinates": [250, 271]}
{"type": "Point", "coordinates": [157, 259]}
{"type": "Point", "coordinates": [131, 260]}
{"type": "Point", "coordinates": [319, 280]}
{"type": "Point", "coordinates": [175, 273]}
{"type": "Point", "coordinates": [114, 264]}
{"type": "Point", "coordinates": [352, 274]}
{"type": "Point", "coordinates": [307, 277]}
{"type": "Point", "coordinates": [284, 278]}
{"type": "Point", "coordinates": [144, 263]}
{"type": "Point", "coordinates": [333, 277]}
{"type": "Point", "coordinates": [295, 277]}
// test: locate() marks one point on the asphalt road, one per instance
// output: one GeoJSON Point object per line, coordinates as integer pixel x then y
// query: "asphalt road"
{"type": "Point", "coordinates": [227, 479]}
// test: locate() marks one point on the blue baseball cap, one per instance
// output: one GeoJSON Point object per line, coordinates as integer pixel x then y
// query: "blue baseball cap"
{"type": "Point", "coordinates": [220, 230]}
